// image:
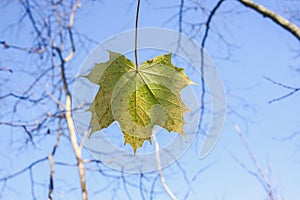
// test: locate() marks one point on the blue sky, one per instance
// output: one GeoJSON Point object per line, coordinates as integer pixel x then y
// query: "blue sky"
{"type": "Point", "coordinates": [261, 48]}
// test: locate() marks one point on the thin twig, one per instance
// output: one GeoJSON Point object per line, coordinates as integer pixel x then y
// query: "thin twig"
{"type": "Point", "coordinates": [6, 69]}
{"type": "Point", "coordinates": [23, 170]}
{"type": "Point", "coordinates": [293, 90]}
{"type": "Point", "coordinates": [269, 187]}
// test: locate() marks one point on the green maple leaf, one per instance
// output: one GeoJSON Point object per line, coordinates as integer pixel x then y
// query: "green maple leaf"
{"type": "Point", "coordinates": [138, 100]}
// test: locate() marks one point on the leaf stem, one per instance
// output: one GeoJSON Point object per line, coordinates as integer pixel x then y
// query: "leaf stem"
{"type": "Point", "coordinates": [136, 36]}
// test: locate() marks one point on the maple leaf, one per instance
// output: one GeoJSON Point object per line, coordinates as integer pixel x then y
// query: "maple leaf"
{"type": "Point", "coordinates": [138, 100]}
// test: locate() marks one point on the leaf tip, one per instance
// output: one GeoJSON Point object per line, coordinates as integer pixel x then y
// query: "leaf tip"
{"type": "Point", "coordinates": [85, 76]}
{"type": "Point", "coordinates": [190, 82]}
{"type": "Point", "coordinates": [113, 55]}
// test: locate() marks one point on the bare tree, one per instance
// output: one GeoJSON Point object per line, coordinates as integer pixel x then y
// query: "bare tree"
{"type": "Point", "coordinates": [46, 98]}
{"type": "Point", "coordinates": [54, 42]}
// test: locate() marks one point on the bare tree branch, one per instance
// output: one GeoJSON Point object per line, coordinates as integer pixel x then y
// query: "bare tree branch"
{"type": "Point", "coordinates": [162, 178]}
{"type": "Point", "coordinates": [71, 126]}
{"type": "Point", "coordinates": [51, 184]}
{"type": "Point", "coordinates": [212, 13]}
{"type": "Point", "coordinates": [278, 19]}
{"type": "Point", "coordinates": [203, 91]}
